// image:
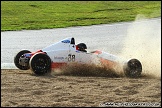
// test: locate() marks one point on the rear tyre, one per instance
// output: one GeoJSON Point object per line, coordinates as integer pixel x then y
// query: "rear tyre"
{"type": "Point", "coordinates": [16, 60]}
{"type": "Point", "coordinates": [133, 68]}
{"type": "Point", "coordinates": [40, 64]}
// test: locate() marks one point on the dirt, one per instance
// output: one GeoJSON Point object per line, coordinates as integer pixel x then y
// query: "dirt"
{"type": "Point", "coordinates": [25, 89]}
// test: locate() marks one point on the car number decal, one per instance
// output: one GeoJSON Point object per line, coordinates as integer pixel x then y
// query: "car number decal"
{"type": "Point", "coordinates": [71, 58]}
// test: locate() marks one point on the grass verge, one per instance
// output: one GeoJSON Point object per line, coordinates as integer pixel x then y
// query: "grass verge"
{"type": "Point", "coordinates": [25, 15]}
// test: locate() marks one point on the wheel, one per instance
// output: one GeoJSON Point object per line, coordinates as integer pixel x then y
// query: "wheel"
{"type": "Point", "coordinates": [133, 68]}
{"type": "Point", "coordinates": [16, 60]}
{"type": "Point", "coordinates": [40, 64]}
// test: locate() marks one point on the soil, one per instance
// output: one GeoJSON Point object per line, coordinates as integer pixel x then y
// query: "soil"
{"type": "Point", "coordinates": [21, 88]}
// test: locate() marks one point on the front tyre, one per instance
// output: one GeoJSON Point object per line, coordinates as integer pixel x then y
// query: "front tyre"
{"type": "Point", "coordinates": [40, 64]}
{"type": "Point", "coordinates": [133, 68]}
{"type": "Point", "coordinates": [16, 60]}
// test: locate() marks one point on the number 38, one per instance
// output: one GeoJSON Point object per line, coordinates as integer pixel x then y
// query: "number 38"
{"type": "Point", "coordinates": [71, 58]}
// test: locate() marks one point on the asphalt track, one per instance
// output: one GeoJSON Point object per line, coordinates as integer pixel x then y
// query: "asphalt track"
{"type": "Point", "coordinates": [106, 37]}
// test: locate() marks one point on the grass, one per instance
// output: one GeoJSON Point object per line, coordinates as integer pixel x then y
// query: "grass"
{"type": "Point", "coordinates": [25, 15]}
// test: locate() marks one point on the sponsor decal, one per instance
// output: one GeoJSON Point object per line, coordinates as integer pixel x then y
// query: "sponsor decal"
{"type": "Point", "coordinates": [59, 58]}
{"type": "Point", "coordinates": [65, 41]}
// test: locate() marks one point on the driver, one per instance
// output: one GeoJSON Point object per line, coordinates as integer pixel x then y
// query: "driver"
{"type": "Point", "coordinates": [82, 47]}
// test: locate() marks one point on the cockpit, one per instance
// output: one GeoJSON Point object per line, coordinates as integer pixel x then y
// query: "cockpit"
{"type": "Point", "coordinates": [80, 46]}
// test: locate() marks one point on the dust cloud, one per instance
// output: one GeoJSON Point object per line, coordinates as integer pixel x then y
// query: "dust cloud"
{"type": "Point", "coordinates": [143, 41]}
{"type": "Point", "coordinates": [87, 70]}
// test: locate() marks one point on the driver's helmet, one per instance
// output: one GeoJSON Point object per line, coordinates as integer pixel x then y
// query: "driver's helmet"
{"type": "Point", "coordinates": [82, 47]}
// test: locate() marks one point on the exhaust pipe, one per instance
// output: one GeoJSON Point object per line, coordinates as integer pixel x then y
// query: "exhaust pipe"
{"type": "Point", "coordinates": [133, 68]}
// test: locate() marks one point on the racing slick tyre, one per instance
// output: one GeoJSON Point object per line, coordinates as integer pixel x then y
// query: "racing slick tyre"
{"type": "Point", "coordinates": [16, 60]}
{"type": "Point", "coordinates": [40, 64]}
{"type": "Point", "coordinates": [133, 68]}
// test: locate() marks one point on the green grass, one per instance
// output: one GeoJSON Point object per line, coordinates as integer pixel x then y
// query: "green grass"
{"type": "Point", "coordinates": [20, 15]}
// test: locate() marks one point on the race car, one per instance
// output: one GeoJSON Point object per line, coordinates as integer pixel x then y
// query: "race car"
{"type": "Point", "coordinates": [66, 51]}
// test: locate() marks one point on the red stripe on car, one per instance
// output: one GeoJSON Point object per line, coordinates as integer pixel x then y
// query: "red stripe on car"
{"type": "Point", "coordinates": [58, 64]}
{"type": "Point", "coordinates": [107, 63]}
{"type": "Point", "coordinates": [98, 52]}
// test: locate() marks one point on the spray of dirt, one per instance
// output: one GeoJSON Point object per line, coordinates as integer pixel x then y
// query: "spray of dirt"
{"type": "Point", "coordinates": [87, 70]}
{"type": "Point", "coordinates": [143, 41]}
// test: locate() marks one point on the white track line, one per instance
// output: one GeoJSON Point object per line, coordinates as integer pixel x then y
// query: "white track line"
{"type": "Point", "coordinates": [8, 66]}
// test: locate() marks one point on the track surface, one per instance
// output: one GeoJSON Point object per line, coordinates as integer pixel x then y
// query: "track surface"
{"type": "Point", "coordinates": [23, 88]}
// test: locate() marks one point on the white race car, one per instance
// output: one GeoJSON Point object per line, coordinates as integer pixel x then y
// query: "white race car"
{"type": "Point", "coordinates": [66, 51]}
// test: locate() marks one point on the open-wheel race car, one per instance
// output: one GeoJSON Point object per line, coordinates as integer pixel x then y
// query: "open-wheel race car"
{"type": "Point", "coordinates": [66, 51]}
